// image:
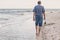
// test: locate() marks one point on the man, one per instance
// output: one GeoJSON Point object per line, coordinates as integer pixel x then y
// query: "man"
{"type": "Point", "coordinates": [38, 14]}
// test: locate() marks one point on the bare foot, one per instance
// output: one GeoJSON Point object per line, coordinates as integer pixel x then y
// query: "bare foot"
{"type": "Point", "coordinates": [37, 34]}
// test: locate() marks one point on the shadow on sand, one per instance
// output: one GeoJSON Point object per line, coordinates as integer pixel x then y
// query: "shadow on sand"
{"type": "Point", "coordinates": [49, 24]}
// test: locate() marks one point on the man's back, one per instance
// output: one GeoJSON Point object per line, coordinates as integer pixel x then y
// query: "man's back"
{"type": "Point", "coordinates": [38, 9]}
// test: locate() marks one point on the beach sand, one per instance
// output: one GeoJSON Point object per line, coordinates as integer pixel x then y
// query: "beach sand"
{"type": "Point", "coordinates": [22, 27]}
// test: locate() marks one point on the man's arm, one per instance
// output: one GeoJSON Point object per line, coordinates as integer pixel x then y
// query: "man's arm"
{"type": "Point", "coordinates": [43, 10]}
{"type": "Point", "coordinates": [34, 10]}
{"type": "Point", "coordinates": [33, 16]}
{"type": "Point", "coordinates": [44, 16]}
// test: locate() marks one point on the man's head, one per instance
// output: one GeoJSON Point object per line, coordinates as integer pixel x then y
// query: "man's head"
{"type": "Point", "coordinates": [39, 2]}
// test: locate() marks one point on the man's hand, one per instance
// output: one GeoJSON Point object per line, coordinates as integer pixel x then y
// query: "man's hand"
{"type": "Point", "coordinates": [44, 21]}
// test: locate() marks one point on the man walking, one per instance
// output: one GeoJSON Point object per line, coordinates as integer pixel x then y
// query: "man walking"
{"type": "Point", "coordinates": [38, 14]}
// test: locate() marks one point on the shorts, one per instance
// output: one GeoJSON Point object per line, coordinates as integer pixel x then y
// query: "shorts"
{"type": "Point", "coordinates": [39, 21]}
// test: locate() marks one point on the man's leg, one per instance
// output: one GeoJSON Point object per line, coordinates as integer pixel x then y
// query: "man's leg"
{"type": "Point", "coordinates": [40, 25]}
{"type": "Point", "coordinates": [37, 25]}
{"type": "Point", "coordinates": [37, 30]}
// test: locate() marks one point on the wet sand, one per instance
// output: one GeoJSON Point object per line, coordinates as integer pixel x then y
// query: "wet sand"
{"type": "Point", "coordinates": [22, 27]}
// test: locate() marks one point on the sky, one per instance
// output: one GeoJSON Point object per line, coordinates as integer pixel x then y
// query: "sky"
{"type": "Point", "coordinates": [20, 4]}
